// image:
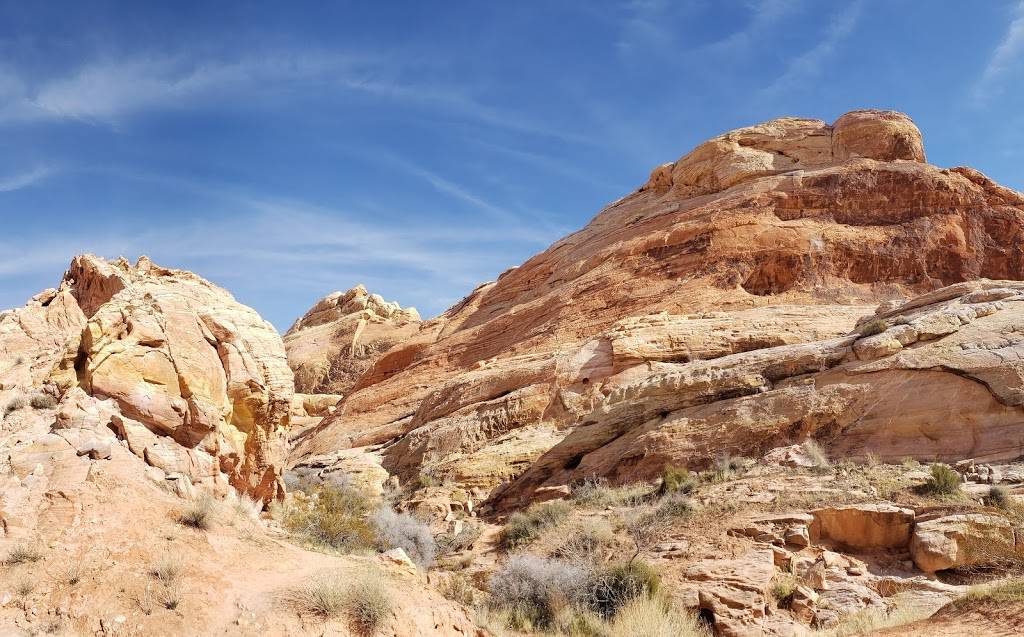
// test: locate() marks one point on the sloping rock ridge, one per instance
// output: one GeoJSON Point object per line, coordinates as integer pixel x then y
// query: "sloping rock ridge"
{"type": "Point", "coordinates": [782, 281]}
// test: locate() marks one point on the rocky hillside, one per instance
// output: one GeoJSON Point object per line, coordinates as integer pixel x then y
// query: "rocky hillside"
{"type": "Point", "coordinates": [143, 430]}
{"type": "Point", "coordinates": [711, 411]}
{"type": "Point", "coordinates": [789, 280]}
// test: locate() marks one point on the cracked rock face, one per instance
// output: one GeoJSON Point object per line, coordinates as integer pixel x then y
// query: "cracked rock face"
{"type": "Point", "coordinates": [722, 307]}
{"type": "Point", "coordinates": [198, 382]}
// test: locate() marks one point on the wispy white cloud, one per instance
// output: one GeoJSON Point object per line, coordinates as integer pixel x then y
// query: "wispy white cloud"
{"type": "Point", "coordinates": [809, 64]}
{"type": "Point", "coordinates": [1006, 57]}
{"type": "Point", "coordinates": [645, 27]}
{"type": "Point", "coordinates": [764, 14]}
{"type": "Point", "coordinates": [107, 90]}
{"type": "Point", "coordinates": [9, 183]}
{"type": "Point", "coordinates": [271, 247]}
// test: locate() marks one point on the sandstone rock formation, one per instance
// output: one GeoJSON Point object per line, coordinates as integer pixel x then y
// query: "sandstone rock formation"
{"type": "Point", "coordinates": [955, 541]}
{"type": "Point", "coordinates": [194, 382]}
{"type": "Point", "coordinates": [341, 336]}
{"type": "Point", "coordinates": [730, 305]}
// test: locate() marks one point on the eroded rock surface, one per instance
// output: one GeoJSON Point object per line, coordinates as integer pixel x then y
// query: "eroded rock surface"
{"type": "Point", "coordinates": [787, 280]}
{"type": "Point", "coordinates": [194, 382]}
{"type": "Point", "coordinates": [341, 336]}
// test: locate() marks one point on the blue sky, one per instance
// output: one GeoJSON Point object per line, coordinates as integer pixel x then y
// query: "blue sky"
{"type": "Point", "coordinates": [424, 147]}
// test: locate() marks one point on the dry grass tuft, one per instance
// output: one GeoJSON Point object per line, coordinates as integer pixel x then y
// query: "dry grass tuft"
{"type": "Point", "coordinates": [23, 554]}
{"type": "Point", "coordinates": [42, 400]}
{"type": "Point", "coordinates": [871, 620]}
{"type": "Point", "coordinates": [198, 514]}
{"type": "Point", "coordinates": [650, 617]}
{"type": "Point", "coordinates": [167, 569]}
{"type": "Point", "coordinates": [598, 494]}
{"type": "Point", "coordinates": [365, 604]}
{"type": "Point", "coordinates": [523, 527]}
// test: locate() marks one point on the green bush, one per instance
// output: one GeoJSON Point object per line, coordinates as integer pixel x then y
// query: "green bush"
{"type": "Point", "coordinates": [944, 481]}
{"type": "Point", "coordinates": [524, 527]}
{"type": "Point", "coordinates": [331, 515]}
{"type": "Point", "coordinates": [618, 585]}
{"type": "Point", "coordinates": [676, 480]}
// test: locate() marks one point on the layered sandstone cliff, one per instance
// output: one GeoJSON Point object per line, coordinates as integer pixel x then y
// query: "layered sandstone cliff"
{"type": "Point", "coordinates": [718, 304]}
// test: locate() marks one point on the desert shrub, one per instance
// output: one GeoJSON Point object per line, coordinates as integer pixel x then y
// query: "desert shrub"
{"type": "Point", "coordinates": [323, 596]}
{"type": "Point", "coordinates": [167, 568]}
{"type": "Point", "coordinates": [168, 594]}
{"type": "Point", "coordinates": [332, 516]}
{"type": "Point", "coordinates": [877, 326]}
{"type": "Point", "coordinates": [873, 619]}
{"type": "Point", "coordinates": [998, 496]}
{"type": "Point", "coordinates": [783, 588]}
{"type": "Point", "coordinates": [198, 514]}
{"type": "Point", "coordinates": [651, 617]}
{"type": "Point", "coordinates": [943, 481]}
{"type": "Point", "coordinates": [673, 507]}
{"type": "Point", "coordinates": [72, 573]}
{"type": "Point", "coordinates": [460, 541]}
{"type": "Point", "coordinates": [41, 400]}
{"type": "Point", "coordinates": [597, 493]}
{"type": "Point", "coordinates": [584, 540]}
{"type": "Point", "coordinates": [14, 404]}
{"type": "Point", "coordinates": [401, 530]}
{"type": "Point", "coordinates": [646, 527]}
{"type": "Point", "coordinates": [24, 587]}
{"type": "Point", "coordinates": [817, 456]}
{"type": "Point", "coordinates": [676, 480]}
{"type": "Point", "coordinates": [244, 505]}
{"type": "Point", "coordinates": [459, 589]}
{"type": "Point", "coordinates": [23, 554]}
{"type": "Point", "coordinates": [618, 585]}
{"type": "Point", "coordinates": [573, 621]}
{"type": "Point", "coordinates": [366, 605]}
{"type": "Point", "coordinates": [532, 589]}
{"type": "Point", "coordinates": [524, 527]}
{"type": "Point", "coordinates": [725, 468]}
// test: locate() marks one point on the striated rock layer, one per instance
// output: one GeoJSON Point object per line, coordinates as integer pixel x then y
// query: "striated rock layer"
{"type": "Point", "coordinates": [714, 310]}
{"type": "Point", "coordinates": [195, 383]}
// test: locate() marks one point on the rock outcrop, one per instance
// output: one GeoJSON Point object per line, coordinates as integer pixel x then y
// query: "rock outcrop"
{"type": "Point", "coordinates": [787, 280]}
{"type": "Point", "coordinates": [341, 337]}
{"type": "Point", "coordinates": [195, 383]}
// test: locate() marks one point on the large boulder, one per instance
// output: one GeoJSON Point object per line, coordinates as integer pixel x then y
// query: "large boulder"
{"type": "Point", "coordinates": [962, 540]}
{"type": "Point", "coordinates": [864, 526]}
